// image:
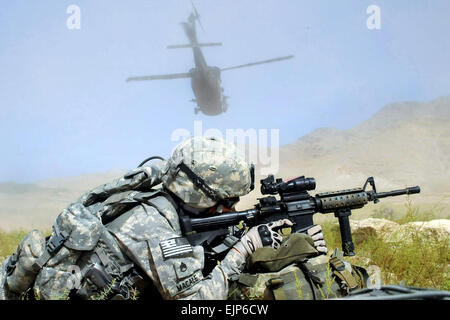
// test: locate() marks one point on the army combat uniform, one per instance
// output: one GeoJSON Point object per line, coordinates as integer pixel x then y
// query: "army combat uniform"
{"type": "Point", "coordinates": [147, 236]}
{"type": "Point", "coordinates": [167, 258]}
{"type": "Point", "coordinates": [121, 234]}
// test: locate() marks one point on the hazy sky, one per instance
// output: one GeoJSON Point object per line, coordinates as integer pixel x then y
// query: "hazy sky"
{"type": "Point", "coordinates": [66, 108]}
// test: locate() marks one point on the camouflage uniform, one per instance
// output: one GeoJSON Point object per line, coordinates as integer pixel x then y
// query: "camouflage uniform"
{"type": "Point", "coordinates": [124, 224]}
{"type": "Point", "coordinates": [143, 234]}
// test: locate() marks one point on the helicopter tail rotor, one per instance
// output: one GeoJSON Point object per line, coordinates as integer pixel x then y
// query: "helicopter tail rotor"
{"type": "Point", "coordinates": [196, 16]}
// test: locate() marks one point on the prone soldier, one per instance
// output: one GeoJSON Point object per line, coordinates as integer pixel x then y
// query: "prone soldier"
{"type": "Point", "coordinates": [126, 235]}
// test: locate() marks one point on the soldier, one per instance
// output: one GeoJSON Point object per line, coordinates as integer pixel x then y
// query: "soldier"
{"type": "Point", "coordinates": [125, 237]}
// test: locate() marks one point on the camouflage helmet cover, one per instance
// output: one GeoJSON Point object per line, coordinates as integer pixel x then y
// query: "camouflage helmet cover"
{"type": "Point", "coordinates": [219, 164]}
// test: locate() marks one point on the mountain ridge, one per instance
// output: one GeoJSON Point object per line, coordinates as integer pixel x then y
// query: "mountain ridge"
{"type": "Point", "coordinates": [402, 144]}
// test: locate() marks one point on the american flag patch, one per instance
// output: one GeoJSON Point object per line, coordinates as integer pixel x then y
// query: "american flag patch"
{"type": "Point", "coordinates": [175, 247]}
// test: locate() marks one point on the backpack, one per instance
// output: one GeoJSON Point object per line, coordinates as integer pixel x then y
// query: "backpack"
{"type": "Point", "coordinates": [81, 247]}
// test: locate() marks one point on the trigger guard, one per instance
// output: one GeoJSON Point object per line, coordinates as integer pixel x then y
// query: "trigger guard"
{"type": "Point", "coordinates": [280, 229]}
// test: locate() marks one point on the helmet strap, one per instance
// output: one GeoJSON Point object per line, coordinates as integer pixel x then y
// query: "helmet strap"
{"type": "Point", "coordinates": [199, 182]}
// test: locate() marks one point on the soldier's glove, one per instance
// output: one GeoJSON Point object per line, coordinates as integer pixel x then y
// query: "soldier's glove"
{"type": "Point", "coordinates": [261, 236]}
{"type": "Point", "coordinates": [317, 235]}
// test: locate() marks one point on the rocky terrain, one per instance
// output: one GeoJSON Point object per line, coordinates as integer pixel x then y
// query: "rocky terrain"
{"type": "Point", "coordinates": [403, 144]}
{"type": "Point", "coordinates": [438, 229]}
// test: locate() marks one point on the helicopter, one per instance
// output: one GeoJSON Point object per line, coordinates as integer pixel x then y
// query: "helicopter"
{"type": "Point", "coordinates": [205, 80]}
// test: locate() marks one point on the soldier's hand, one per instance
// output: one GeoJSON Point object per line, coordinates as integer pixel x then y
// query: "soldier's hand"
{"type": "Point", "coordinates": [317, 235]}
{"type": "Point", "coordinates": [261, 236]}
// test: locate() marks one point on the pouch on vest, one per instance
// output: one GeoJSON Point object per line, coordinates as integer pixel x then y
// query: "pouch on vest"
{"type": "Point", "coordinates": [296, 284]}
{"type": "Point", "coordinates": [350, 277]}
{"type": "Point", "coordinates": [290, 283]}
{"type": "Point", "coordinates": [318, 278]}
{"type": "Point", "coordinates": [267, 259]}
{"type": "Point", "coordinates": [119, 203]}
{"type": "Point", "coordinates": [142, 178]}
{"type": "Point", "coordinates": [296, 271]}
{"type": "Point", "coordinates": [21, 268]}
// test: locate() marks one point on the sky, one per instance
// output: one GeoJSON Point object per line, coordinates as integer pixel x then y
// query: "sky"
{"type": "Point", "coordinates": [66, 109]}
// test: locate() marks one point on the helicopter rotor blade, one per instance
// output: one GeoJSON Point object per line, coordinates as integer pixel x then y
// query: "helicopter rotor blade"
{"type": "Point", "coordinates": [208, 44]}
{"type": "Point", "coordinates": [161, 77]}
{"type": "Point", "coordinates": [256, 63]}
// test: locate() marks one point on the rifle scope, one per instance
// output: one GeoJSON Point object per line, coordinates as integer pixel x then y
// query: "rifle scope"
{"type": "Point", "coordinates": [300, 184]}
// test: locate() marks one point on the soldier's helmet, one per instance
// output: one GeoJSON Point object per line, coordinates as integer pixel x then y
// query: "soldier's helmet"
{"type": "Point", "coordinates": [203, 172]}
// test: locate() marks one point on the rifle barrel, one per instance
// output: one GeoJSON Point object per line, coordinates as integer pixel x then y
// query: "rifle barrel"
{"type": "Point", "coordinates": [410, 190]}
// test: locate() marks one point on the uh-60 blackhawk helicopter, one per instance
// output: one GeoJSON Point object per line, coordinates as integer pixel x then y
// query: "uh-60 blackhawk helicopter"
{"type": "Point", "coordinates": [205, 80]}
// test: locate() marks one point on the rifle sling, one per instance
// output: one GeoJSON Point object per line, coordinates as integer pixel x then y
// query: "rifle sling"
{"type": "Point", "coordinates": [343, 274]}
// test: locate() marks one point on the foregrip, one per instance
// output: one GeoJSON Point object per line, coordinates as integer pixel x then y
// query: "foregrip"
{"type": "Point", "coordinates": [346, 233]}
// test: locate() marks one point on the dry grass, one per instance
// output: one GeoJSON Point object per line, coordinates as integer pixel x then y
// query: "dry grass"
{"type": "Point", "coordinates": [9, 242]}
{"type": "Point", "coordinates": [420, 260]}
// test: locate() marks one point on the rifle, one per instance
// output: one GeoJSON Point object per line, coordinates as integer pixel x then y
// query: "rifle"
{"type": "Point", "coordinates": [218, 233]}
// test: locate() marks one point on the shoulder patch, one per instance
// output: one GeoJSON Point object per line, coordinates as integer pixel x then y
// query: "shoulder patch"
{"type": "Point", "coordinates": [175, 247]}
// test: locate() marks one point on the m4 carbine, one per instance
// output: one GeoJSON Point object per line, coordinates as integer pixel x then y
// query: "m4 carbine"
{"type": "Point", "coordinates": [218, 233]}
